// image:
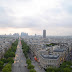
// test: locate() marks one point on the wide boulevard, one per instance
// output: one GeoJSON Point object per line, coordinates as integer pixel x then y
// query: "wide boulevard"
{"type": "Point", "coordinates": [19, 64]}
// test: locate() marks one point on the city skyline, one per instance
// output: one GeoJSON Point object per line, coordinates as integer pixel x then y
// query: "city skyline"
{"type": "Point", "coordinates": [33, 16]}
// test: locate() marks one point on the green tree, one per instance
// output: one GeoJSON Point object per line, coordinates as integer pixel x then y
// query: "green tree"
{"type": "Point", "coordinates": [30, 66]}
{"type": "Point", "coordinates": [10, 60]}
{"type": "Point", "coordinates": [53, 71]}
{"type": "Point", "coordinates": [12, 54]}
{"type": "Point", "coordinates": [66, 70]}
{"type": "Point", "coordinates": [50, 69]}
{"type": "Point", "coordinates": [7, 68]}
{"type": "Point", "coordinates": [3, 60]}
{"type": "Point", "coordinates": [28, 61]}
{"type": "Point", "coordinates": [32, 70]}
{"type": "Point", "coordinates": [1, 64]}
{"type": "Point", "coordinates": [6, 55]}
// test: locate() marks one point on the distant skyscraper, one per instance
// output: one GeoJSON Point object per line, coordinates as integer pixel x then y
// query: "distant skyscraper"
{"type": "Point", "coordinates": [35, 35]}
{"type": "Point", "coordinates": [24, 34]}
{"type": "Point", "coordinates": [16, 34]}
{"type": "Point", "coordinates": [44, 33]}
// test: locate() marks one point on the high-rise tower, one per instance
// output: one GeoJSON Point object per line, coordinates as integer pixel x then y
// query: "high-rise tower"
{"type": "Point", "coordinates": [44, 33]}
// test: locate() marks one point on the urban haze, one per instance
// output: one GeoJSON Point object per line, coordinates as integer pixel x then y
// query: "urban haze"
{"type": "Point", "coordinates": [35, 35]}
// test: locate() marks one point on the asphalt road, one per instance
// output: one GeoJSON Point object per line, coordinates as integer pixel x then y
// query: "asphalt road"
{"type": "Point", "coordinates": [20, 60]}
{"type": "Point", "coordinates": [38, 68]}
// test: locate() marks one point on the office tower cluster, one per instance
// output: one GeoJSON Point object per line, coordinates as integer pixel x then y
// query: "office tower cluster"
{"type": "Point", "coordinates": [24, 34]}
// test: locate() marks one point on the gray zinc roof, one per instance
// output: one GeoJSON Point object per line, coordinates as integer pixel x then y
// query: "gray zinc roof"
{"type": "Point", "coordinates": [50, 56]}
{"type": "Point", "coordinates": [58, 50]}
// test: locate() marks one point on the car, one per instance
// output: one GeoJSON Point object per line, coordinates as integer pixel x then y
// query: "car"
{"type": "Point", "coordinates": [25, 65]}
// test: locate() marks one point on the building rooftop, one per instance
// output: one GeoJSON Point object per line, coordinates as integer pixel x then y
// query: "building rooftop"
{"type": "Point", "coordinates": [50, 56]}
{"type": "Point", "coordinates": [58, 50]}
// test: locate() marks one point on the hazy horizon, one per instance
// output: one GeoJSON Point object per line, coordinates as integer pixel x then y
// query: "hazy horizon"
{"type": "Point", "coordinates": [32, 16]}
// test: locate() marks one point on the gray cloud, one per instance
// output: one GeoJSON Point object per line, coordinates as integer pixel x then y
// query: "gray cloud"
{"type": "Point", "coordinates": [48, 18]}
{"type": "Point", "coordinates": [67, 6]}
{"type": "Point", "coordinates": [5, 20]}
{"type": "Point", "coordinates": [19, 0]}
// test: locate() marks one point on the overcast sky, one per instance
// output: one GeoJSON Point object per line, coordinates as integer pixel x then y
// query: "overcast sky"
{"type": "Point", "coordinates": [32, 16]}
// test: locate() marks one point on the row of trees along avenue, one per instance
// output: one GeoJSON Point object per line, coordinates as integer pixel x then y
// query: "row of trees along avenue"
{"type": "Point", "coordinates": [25, 48]}
{"type": "Point", "coordinates": [6, 62]}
